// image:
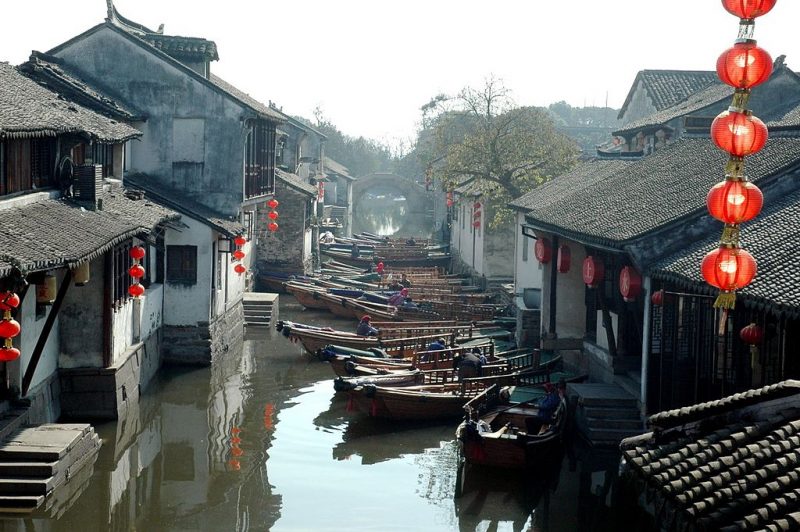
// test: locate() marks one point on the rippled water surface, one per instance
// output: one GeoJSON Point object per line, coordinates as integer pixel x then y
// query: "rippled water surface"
{"type": "Point", "coordinates": [260, 441]}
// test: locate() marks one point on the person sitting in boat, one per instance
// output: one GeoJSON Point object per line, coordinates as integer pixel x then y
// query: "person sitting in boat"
{"type": "Point", "coordinates": [365, 329]}
{"type": "Point", "coordinates": [405, 281]}
{"type": "Point", "coordinates": [393, 284]}
{"type": "Point", "coordinates": [547, 407]}
{"type": "Point", "coordinates": [469, 365]}
{"type": "Point", "coordinates": [399, 298]}
{"type": "Point", "coordinates": [437, 345]}
{"type": "Point", "coordinates": [411, 242]}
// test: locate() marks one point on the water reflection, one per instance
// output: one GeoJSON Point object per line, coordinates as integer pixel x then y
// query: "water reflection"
{"type": "Point", "coordinates": [260, 441]}
{"type": "Point", "coordinates": [382, 211]}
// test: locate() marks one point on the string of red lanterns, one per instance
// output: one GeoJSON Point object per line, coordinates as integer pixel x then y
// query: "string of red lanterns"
{"type": "Point", "coordinates": [739, 133]}
{"type": "Point", "coordinates": [9, 327]}
{"type": "Point", "coordinates": [238, 254]}
{"type": "Point", "coordinates": [136, 271]}
{"type": "Point", "coordinates": [476, 214]}
{"type": "Point", "coordinates": [273, 215]}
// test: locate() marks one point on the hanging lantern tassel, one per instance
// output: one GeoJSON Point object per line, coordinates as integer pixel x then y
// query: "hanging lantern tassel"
{"type": "Point", "coordinates": [752, 334]}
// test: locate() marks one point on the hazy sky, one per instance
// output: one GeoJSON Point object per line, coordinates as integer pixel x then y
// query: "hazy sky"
{"type": "Point", "coordinates": [371, 64]}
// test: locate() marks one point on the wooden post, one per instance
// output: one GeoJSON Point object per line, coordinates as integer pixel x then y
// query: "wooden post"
{"type": "Point", "coordinates": [553, 284]}
{"type": "Point", "coordinates": [45, 334]}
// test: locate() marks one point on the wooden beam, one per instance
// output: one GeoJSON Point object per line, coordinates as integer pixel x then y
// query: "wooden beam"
{"type": "Point", "coordinates": [553, 287]}
{"type": "Point", "coordinates": [45, 334]}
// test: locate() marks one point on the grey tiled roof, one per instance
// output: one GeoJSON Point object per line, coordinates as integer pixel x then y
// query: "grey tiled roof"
{"type": "Point", "coordinates": [577, 181]}
{"type": "Point", "coordinates": [337, 168]}
{"type": "Point", "coordinates": [59, 232]}
{"type": "Point", "coordinates": [246, 99]}
{"type": "Point", "coordinates": [710, 95]}
{"type": "Point", "coordinates": [191, 47]}
{"type": "Point", "coordinates": [29, 110]}
{"type": "Point", "coordinates": [772, 240]}
{"type": "Point", "coordinates": [731, 471]}
{"type": "Point", "coordinates": [177, 200]}
{"type": "Point", "coordinates": [642, 196]}
{"type": "Point", "coordinates": [50, 72]}
{"type": "Point", "coordinates": [294, 181]}
{"type": "Point", "coordinates": [790, 120]}
{"type": "Point", "coordinates": [668, 87]}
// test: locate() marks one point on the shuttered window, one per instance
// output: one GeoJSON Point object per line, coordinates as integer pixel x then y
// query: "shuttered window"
{"type": "Point", "coordinates": [182, 264]}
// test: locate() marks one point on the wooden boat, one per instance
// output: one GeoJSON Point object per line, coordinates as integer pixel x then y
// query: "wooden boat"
{"type": "Point", "coordinates": [316, 338]}
{"type": "Point", "coordinates": [346, 362]}
{"type": "Point", "coordinates": [495, 432]}
{"type": "Point", "coordinates": [430, 259]}
{"type": "Point", "coordinates": [421, 373]}
{"type": "Point", "coordinates": [306, 295]}
{"type": "Point", "coordinates": [424, 402]}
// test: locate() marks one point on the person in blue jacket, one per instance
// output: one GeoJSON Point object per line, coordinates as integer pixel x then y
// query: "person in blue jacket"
{"type": "Point", "coordinates": [365, 329]}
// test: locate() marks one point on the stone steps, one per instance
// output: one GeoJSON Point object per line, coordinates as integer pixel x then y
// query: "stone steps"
{"type": "Point", "coordinates": [259, 309]}
{"type": "Point", "coordinates": [36, 461]}
{"type": "Point", "coordinates": [605, 414]}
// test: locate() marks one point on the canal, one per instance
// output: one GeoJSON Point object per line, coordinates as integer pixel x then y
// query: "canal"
{"type": "Point", "coordinates": [260, 441]}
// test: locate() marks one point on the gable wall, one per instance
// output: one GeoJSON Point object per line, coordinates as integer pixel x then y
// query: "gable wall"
{"type": "Point", "coordinates": [193, 136]}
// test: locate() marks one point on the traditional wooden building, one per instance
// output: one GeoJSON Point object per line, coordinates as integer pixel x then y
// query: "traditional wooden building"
{"type": "Point", "coordinates": [205, 143]}
{"type": "Point", "coordinates": [289, 249]}
{"type": "Point", "coordinates": [653, 91]}
{"type": "Point", "coordinates": [478, 249]}
{"type": "Point", "coordinates": [87, 346]}
{"type": "Point", "coordinates": [608, 223]}
{"type": "Point", "coordinates": [339, 195]}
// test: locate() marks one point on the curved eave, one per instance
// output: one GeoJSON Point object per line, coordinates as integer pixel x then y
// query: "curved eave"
{"type": "Point", "coordinates": [749, 300]}
{"type": "Point", "coordinates": [51, 132]}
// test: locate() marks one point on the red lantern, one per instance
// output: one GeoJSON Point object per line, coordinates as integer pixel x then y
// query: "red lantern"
{"type": "Point", "coordinates": [238, 254]}
{"type": "Point", "coordinates": [9, 328]}
{"type": "Point", "coordinates": [657, 298]}
{"type": "Point", "coordinates": [273, 215]}
{"type": "Point", "coordinates": [449, 202]}
{"type": "Point", "coordinates": [8, 301]}
{"type": "Point", "coordinates": [748, 9]}
{"type": "Point", "coordinates": [239, 269]}
{"type": "Point", "coordinates": [476, 224]}
{"type": "Point", "coordinates": [542, 250]}
{"type": "Point", "coordinates": [728, 268]}
{"type": "Point", "coordinates": [734, 202]}
{"type": "Point", "coordinates": [240, 241]}
{"type": "Point", "coordinates": [630, 284]}
{"type": "Point", "coordinates": [380, 267]}
{"type": "Point", "coordinates": [137, 252]}
{"type": "Point", "coordinates": [744, 66]}
{"type": "Point", "coordinates": [752, 334]}
{"type": "Point", "coordinates": [320, 191]}
{"type": "Point", "coordinates": [273, 203]}
{"type": "Point", "coordinates": [564, 259]}
{"type": "Point", "coordinates": [7, 354]}
{"type": "Point", "coordinates": [739, 133]}
{"type": "Point", "coordinates": [476, 205]}
{"type": "Point", "coordinates": [593, 271]}
{"type": "Point", "coordinates": [136, 290]}
{"type": "Point", "coordinates": [272, 226]}
{"type": "Point", "coordinates": [136, 271]}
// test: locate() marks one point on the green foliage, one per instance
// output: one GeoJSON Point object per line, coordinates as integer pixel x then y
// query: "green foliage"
{"type": "Point", "coordinates": [481, 135]}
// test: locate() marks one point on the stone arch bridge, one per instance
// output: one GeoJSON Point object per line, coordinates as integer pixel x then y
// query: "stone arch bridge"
{"type": "Point", "coordinates": [416, 211]}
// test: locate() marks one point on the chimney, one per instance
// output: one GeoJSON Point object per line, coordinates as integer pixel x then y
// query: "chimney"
{"type": "Point", "coordinates": [88, 186]}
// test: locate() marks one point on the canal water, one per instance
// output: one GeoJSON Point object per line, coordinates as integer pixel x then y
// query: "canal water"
{"type": "Point", "coordinates": [260, 441]}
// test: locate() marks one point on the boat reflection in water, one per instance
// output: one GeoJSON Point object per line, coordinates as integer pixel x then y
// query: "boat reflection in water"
{"type": "Point", "coordinates": [260, 441]}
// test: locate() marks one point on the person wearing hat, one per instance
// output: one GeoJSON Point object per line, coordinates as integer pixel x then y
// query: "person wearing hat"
{"type": "Point", "coordinates": [365, 329]}
{"type": "Point", "coordinates": [399, 298]}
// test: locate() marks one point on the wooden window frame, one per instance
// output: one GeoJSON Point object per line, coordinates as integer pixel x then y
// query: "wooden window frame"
{"type": "Point", "coordinates": [186, 273]}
